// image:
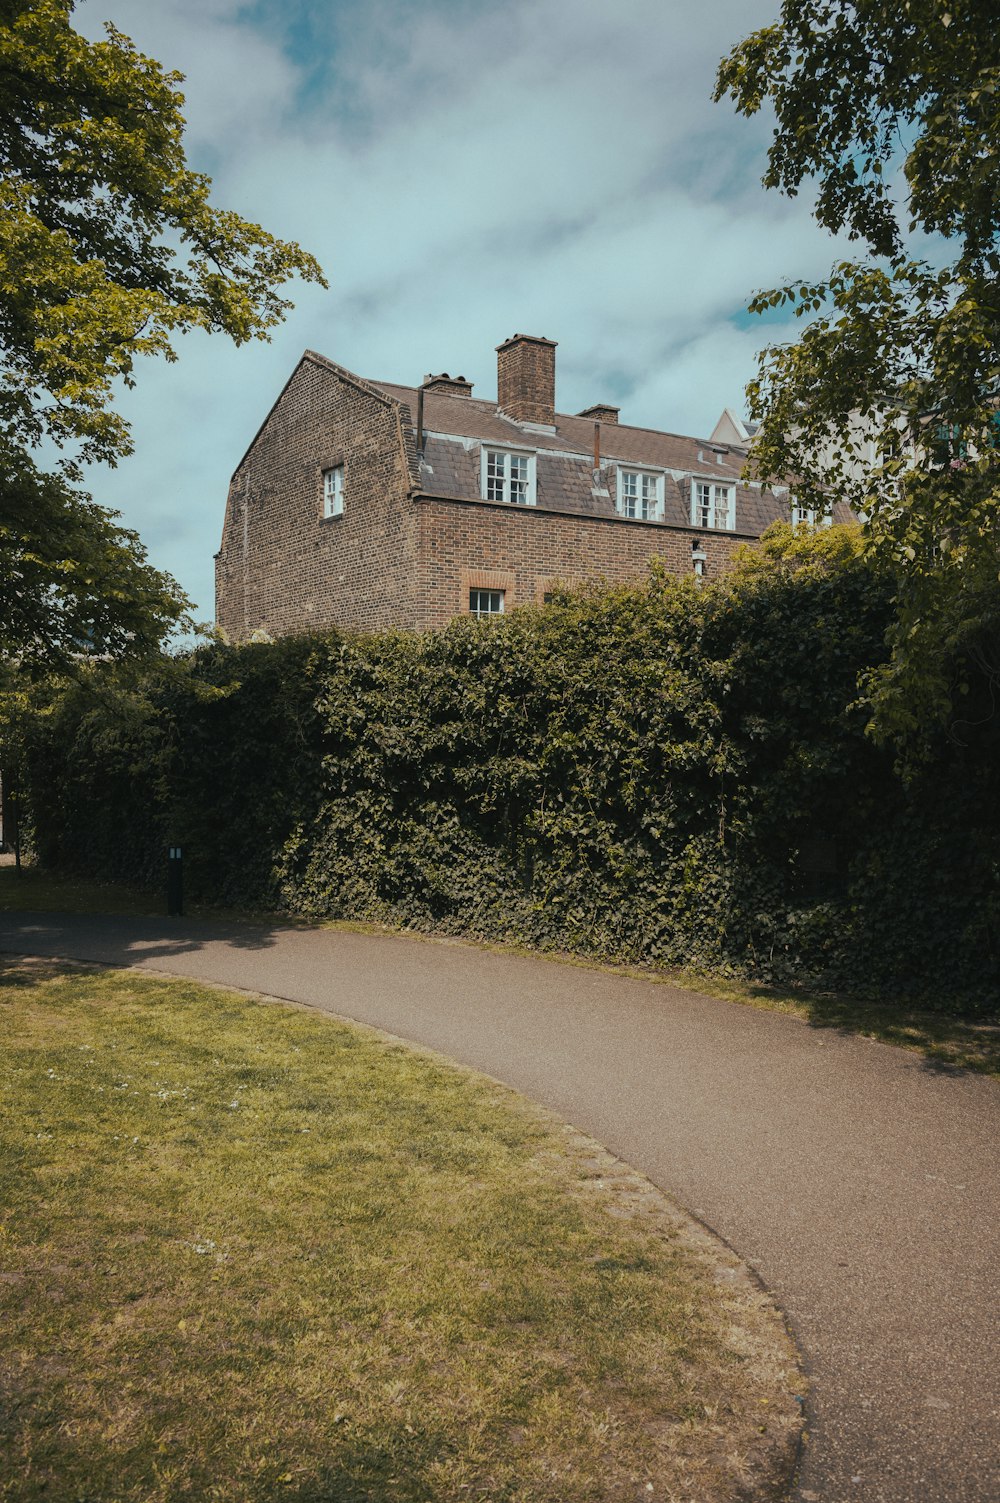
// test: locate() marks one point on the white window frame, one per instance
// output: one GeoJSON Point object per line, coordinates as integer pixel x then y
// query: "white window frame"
{"type": "Point", "coordinates": [506, 477]}
{"type": "Point", "coordinates": [333, 492]}
{"type": "Point", "coordinates": [647, 494]}
{"type": "Point", "coordinates": [707, 512]}
{"type": "Point", "coordinates": [477, 611]}
{"type": "Point", "coordinates": [806, 516]}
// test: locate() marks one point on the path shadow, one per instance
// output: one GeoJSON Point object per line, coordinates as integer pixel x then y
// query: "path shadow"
{"type": "Point", "coordinates": [127, 939]}
{"type": "Point", "coordinates": [949, 1043]}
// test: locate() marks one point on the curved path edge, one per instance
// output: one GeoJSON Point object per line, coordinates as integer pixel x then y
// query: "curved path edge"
{"type": "Point", "coordinates": [857, 1182]}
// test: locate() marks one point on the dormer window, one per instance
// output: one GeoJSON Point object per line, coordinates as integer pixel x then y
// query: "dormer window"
{"type": "Point", "coordinates": [333, 491]}
{"type": "Point", "coordinates": [508, 476]}
{"type": "Point", "coordinates": [713, 505]}
{"type": "Point", "coordinates": [808, 516]}
{"type": "Point", "coordinates": [640, 495]}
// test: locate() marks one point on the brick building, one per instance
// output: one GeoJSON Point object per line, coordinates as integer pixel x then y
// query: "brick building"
{"type": "Point", "coordinates": [365, 504]}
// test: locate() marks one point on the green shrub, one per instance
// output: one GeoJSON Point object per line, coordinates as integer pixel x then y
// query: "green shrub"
{"type": "Point", "coordinates": [658, 773]}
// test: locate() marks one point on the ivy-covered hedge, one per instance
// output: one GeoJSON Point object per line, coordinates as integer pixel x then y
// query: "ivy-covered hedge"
{"type": "Point", "coordinates": [659, 774]}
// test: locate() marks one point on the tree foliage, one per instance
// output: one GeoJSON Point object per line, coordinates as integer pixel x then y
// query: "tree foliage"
{"type": "Point", "coordinates": [889, 397]}
{"type": "Point", "coordinates": [72, 581]}
{"type": "Point", "coordinates": [109, 248]}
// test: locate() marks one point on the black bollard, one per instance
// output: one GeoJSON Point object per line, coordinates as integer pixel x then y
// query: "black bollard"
{"type": "Point", "coordinates": [175, 880]}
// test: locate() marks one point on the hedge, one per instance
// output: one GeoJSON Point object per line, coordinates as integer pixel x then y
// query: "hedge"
{"type": "Point", "coordinates": [659, 774]}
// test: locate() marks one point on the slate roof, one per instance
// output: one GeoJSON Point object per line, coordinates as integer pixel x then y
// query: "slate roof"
{"type": "Point", "coordinates": [456, 426]}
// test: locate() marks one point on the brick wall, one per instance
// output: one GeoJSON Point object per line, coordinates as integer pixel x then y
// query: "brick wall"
{"type": "Point", "coordinates": [282, 567]}
{"type": "Point", "coordinates": [524, 551]}
{"type": "Point", "coordinates": [393, 560]}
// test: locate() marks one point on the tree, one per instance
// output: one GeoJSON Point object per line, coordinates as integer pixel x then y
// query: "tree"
{"type": "Point", "coordinates": [72, 581]}
{"type": "Point", "coordinates": [109, 247]}
{"type": "Point", "coordinates": [893, 108]}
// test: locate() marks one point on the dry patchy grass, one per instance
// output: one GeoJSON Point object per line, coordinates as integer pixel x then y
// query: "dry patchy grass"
{"type": "Point", "coordinates": [251, 1254]}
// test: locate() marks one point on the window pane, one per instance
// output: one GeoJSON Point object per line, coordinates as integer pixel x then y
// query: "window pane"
{"type": "Point", "coordinates": [486, 602]}
{"type": "Point", "coordinates": [333, 491]}
{"type": "Point", "coordinates": [494, 476]}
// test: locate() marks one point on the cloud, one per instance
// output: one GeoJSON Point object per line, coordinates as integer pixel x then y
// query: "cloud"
{"type": "Point", "coordinates": [238, 82]}
{"type": "Point", "coordinates": [463, 172]}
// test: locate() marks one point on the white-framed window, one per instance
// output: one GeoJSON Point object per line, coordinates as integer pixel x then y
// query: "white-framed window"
{"type": "Point", "coordinates": [333, 491]}
{"type": "Point", "coordinates": [713, 505]}
{"type": "Point", "coordinates": [640, 494]}
{"type": "Point", "coordinates": [808, 516]}
{"type": "Point", "coordinates": [508, 476]}
{"type": "Point", "coordinates": [486, 602]}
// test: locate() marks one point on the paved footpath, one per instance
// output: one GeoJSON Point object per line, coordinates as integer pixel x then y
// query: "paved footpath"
{"type": "Point", "coordinates": [858, 1181]}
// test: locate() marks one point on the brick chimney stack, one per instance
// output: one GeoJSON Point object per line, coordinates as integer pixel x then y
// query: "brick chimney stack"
{"type": "Point", "coordinates": [601, 412]}
{"type": "Point", "coordinates": [526, 379]}
{"type": "Point", "coordinates": [454, 386]}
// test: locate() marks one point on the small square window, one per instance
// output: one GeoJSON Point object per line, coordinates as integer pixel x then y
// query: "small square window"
{"type": "Point", "coordinates": [486, 602]}
{"type": "Point", "coordinates": [333, 491]}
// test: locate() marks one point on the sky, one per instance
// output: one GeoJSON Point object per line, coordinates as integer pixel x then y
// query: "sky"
{"type": "Point", "coordinates": [463, 171]}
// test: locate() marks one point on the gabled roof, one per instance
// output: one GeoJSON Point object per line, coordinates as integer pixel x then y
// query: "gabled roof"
{"type": "Point", "coordinates": [456, 425]}
{"type": "Point", "coordinates": [311, 357]}
{"type": "Point", "coordinates": [481, 420]}
{"type": "Point", "coordinates": [565, 458]}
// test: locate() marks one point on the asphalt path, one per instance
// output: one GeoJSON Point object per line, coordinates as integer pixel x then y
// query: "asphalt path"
{"type": "Point", "coordinates": [856, 1179]}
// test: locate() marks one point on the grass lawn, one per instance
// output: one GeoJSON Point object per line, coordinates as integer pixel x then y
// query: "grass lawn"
{"type": "Point", "coordinates": [249, 1253]}
{"type": "Point", "coordinates": [944, 1039]}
